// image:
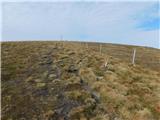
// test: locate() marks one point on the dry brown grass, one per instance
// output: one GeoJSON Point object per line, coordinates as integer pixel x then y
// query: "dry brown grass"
{"type": "Point", "coordinates": [51, 80]}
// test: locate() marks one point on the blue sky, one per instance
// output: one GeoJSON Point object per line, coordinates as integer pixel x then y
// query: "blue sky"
{"type": "Point", "coordinates": [135, 23]}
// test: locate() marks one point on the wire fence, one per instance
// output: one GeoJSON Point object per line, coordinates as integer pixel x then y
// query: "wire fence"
{"type": "Point", "coordinates": [146, 57]}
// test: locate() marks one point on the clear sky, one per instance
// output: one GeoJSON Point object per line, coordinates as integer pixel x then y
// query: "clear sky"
{"type": "Point", "coordinates": [135, 23]}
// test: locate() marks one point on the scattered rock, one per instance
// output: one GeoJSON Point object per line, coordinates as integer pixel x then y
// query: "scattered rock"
{"type": "Point", "coordinates": [45, 74]}
{"type": "Point", "coordinates": [53, 66]}
{"type": "Point", "coordinates": [37, 80]}
{"type": "Point", "coordinates": [71, 52]}
{"type": "Point", "coordinates": [49, 61]}
{"type": "Point", "coordinates": [52, 76]}
{"type": "Point", "coordinates": [116, 118]}
{"type": "Point", "coordinates": [64, 57]}
{"type": "Point", "coordinates": [56, 80]}
{"type": "Point", "coordinates": [59, 62]}
{"type": "Point", "coordinates": [29, 79]}
{"type": "Point", "coordinates": [41, 85]}
{"type": "Point", "coordinates": [95, 96]}
{"type": "Point", "coordinates": [41, 63]}
{"type": "Point", "coordinates": [44, 56]}
{"type": "Point", "coordinates": [72, 68]}
{"type": "Point", "coordinates": [99, 78]}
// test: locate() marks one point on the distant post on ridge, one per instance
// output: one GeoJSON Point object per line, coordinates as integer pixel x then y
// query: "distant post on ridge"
{"type": "Point", "coordinates": [134, 55]}
{"type": "Point", "coordinates": [61, 39]}
{"type": "Point", "coordinates": [87, 45]}
{"type": "Point", "coordinates": [100, 48]}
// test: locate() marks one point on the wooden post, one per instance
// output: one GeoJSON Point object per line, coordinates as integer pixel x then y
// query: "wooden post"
{"type": "Point", "coordinates": [134, 55]}
{"type": "Point", "coordinates": [106, 63]}
{"type": "Point", "coordinates": [100, 48]}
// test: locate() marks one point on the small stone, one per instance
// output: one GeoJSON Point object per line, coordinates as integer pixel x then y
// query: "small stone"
{"type": "Point", "coordinates": [44, 56]}
{"type": "Point", "coordinates": [72, 68]}
{"type": "Point", "coordinates": [49, 62]}
{"type": "Point", "coordinates": [95, 96]}
{"type": "Point", "coordinates": [99, 78]}
{"type": "Point", "coordinates": [52, 76]}
{"type": "Point", "coordinates": [41, 85]}
{"type": "Point", "coordinates": [54, 67]}
{"type": "Point", "coordinates": [37, 80]}
{"type": "Point", "coordinates": [49, 114]}
{"type": "Point", "coordinates": [41, 63]}
{"type": "Point", "coordinates": [64, 57]}
{"type": "Point", "coordinates": [71, 52]}
{"type": "Point", "coordinates": [29, 79]}
{"type": "Point", "coordinates": [117, 118]}
{"type": "Point", "coordinates": [56, 80]}
{"type": "Point", "coordinates": [45, 74]}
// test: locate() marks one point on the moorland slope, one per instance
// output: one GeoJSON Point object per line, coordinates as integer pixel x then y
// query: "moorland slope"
{"type": "Point", "coordinates": [74, 81]}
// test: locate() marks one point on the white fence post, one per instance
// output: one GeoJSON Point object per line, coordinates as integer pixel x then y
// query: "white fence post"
{"type": "Point", "coordinates": [134, 55]}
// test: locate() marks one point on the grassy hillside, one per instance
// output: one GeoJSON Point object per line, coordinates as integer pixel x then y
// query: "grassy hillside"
{"type": "Point", "coordinates": [74, 81]}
